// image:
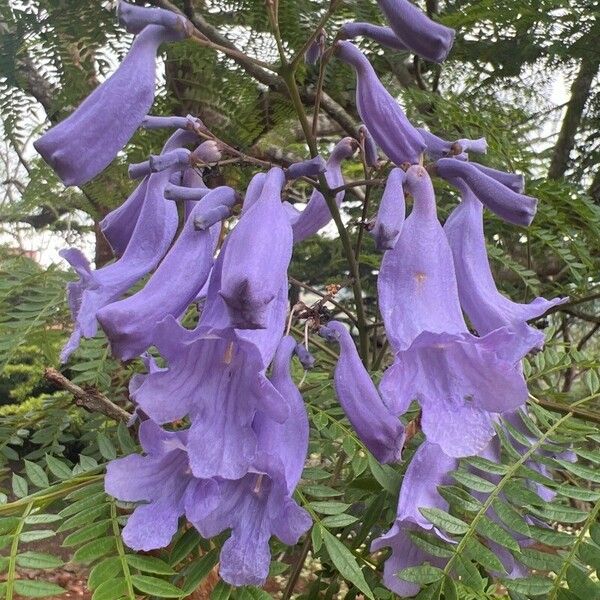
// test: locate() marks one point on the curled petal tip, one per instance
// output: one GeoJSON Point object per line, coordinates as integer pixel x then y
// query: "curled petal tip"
{"type": "Point", "coordinates": [304, 356]}
{"type": "Point", "coordinates": [329, 334]}
{"type": "Point", "coordinates": [307, 168]}
{"type": "Point", "coordinates": [135, 18]}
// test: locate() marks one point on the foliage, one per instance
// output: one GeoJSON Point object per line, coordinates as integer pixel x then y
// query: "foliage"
{"type": "Point", "coordinates": [492, 85]}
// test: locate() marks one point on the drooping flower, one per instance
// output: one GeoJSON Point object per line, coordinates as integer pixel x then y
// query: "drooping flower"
{"type": "Point", "coordinates": [159, 480]}
{"type": "Point", "coordinates": [86, 142]}
{"type": "Point", "coordinates": [260, 504]}
{"type": "Point", "coordinates": [505, 202]}
{"type": "Point", "coordinates": [392, 211]}
{"type": "Point", "coordinates": [459, 380]}
{"type": "Point", "coordinates": [306, 168]}
{"type": "Point", "coordinates": [316, 49]}
{"type": "Point", "coordinates": [379, 111]}
{"type": "Point", "coordinates": [417, 31]}
{"type": "Point", "coordinates": [316, 213]}
{"type": "Point", "coordinates": [379, 429]}
{"type": "Point", "coordinates": [129, 323]}
{"type": "Point", "coordinates": [514, 181]}
{"type": "Point", "coordinates": [485, 306]}
{"type": "Point", "coordinates": [135, 18]}
{"type": "Point", "coordinates": [150, 240]}
{"type": "Point", "coordinates": [382, 35]}
{"type": "Point", "coordinates": [250, 285]}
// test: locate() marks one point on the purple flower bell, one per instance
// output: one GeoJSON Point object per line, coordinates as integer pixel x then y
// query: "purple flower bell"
{"type": "Point", "coordinates": [315, 50]}
{"type": "Point", "coordinates": [316, 214]}
{"type": "Point", "coordinates": [485, 306]}
{"type": "Point", "coordinates": [260, 504]}
{"type": "Point", "coordinates": [251, 280]}
{"type": "Point", "coordinates": [439, 148]}
{"type": "Point", "coordinates": [392, 210]}
{"type": "Point", "coordinates": [514, 181]}
{"type": "Point", "coordinates": [379, 111]}
{"type": "Point", "coordinates": [371, 155]}
{"type": "Point", "coordinates": [417, 31]}
{"type": "Point", "coordinates": [509, 205]}
{"type": "Point", "coordinates": [129, 323]}
{"type": "Point", "coordinates": [87, 141]}
{"type": "Point", "coordinates": [159, 479]}
{"type": "Point", "coordinates": [379, 429]}
{"type": "Point", "coordinates": [459, 380]}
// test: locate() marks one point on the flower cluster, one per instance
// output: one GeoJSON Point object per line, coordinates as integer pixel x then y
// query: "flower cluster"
{"type": "Point", "coordinates": [236, 455]}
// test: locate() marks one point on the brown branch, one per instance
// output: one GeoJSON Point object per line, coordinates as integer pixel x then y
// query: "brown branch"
{"type": "Point", "coordinates": [90, 399]}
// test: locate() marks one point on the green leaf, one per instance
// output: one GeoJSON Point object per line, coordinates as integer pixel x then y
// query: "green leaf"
{"type": "Point", "coordinates": [20, 486]}
{"type": "Point", "coordinates": [86, 534]}
{"type": "Point", "coordinates": [155, 586]}
{"type": "Point", "coordinates": [431, 544]}
{"type": "Point", "coordinates": [36, 534]}
{"type": "Point", "coordinates": [94, 550]}
{"type": "Point", "coordinates": [473, 482]}
{"type": "Point", "coordinates": [125, 440]}
{"type": "Point", "coordinates": [38, 560]}
{"type": "Point", "coordinates": [86, 503]}
{"type": "Point", "coordinates": [510, 517]}
{"type": "Point", "coordinates": [345, 562]}
{"type": "Point", "coordinates": [560, 513]}
{"type": "Point", "coordinates": [329, 507]}
{"type": "Point", "coordinates": [444, 521]}
{"type": "Point", "coordinates": [32, 588]}
{"type": "Point", "coordinates": [421, 575]}
{"type": "Point", "coordinates": [57, 467]}
{"type": "Point", "coordinates": [184, 545]}
{"type": "Point", "coordinates": [551, 537]}
{"type": "Point", "coordinates": [36, 474]}
{"type": "Point", "coordinates": [222, 591]}
{"type": "Point", "coordinates": [316, 537]}
{"type": "Point", "coordinates": [571, 491]}
{"type": "Point", "coordinates": [459, 498]}
{"type": "Point", "coordinates": [104, 571]}
{"type": "Point", "coordinates": [541, 561]}
{"type": "Point", "coordinates": [106, 447]}
{"type": "Point", "coordinates": [532, 586]}
{"type": "Point", "coordinates": [476, 551]}
{"type": "Point", "coordinates": [590, 554]}
{"type": "Point", "coordinates": [386, 476]}
{"type": "Point", "coordinates": [199, 570]}
{"type": "Point", "coordinates": [320, 491]}
{"type": "Point", "coordinates": [581, 584]}
{"type": "Point", "coordinates": [86, 516]}
{"type": "Point", "coordinates": [149, 564]}
{"type": "Point", "coordinates": [586, 473]}
{"type": "Point", "coordinates": [249, 592]}
{"type": "Point", "coordinates": [338, 521]}
{"type": "Point", "coordinates": [111, 590]}
{"type": "Point", "coordinates": [41, 518]}
{"type": "Point", "coordinates": [494, 532]}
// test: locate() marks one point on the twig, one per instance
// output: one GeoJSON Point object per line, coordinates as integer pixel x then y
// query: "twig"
{"type": "Point", "coordinates": [92, 400]}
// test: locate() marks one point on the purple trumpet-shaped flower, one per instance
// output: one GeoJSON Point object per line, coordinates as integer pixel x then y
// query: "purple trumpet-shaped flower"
{"type": "Point", "coordinates": [514, 181]}
{"type": "Point", "coordinates": [459, 380]}
{"type": "Point", "coordinates": [260, 504]}
{"type": "Point", "coordinates": [316, 214]}
{"type": "Point", "coordinates": [257, 256]}
{"type": "Point", "coordinates": [417, 31]}
{"type": "Point", "coordinates": [316, 49]}
{"type": "Point", "coordinates": [209, 151]}
{"type": "Point", "coordinates": [485, 306]}
{"type": "Point", "coordinates": [185, 193]}
{"type": "Point", "coordinates": [150, 240]}
{"type": "Point", "coordinates": [509, 205]}
{"type": "Point", "coordinates": [307, 360]}
{"type": "Point", "coordinates": [130, 323]}
{"type": "Point", "coordinates": [135, 18]}
{"type": "Point", "coordinates": [392, 210]}
{"type": "Point", "coordinates": [86, 142]}
{"type": "Point", "coordinates": [382, 35]}
{"type": "Point", "coordinates": [118, 225]}
{"type": "Point", "coordinates": [155, 122]}
{"type": "Point", "coordinates": [379, 111]}
{"type": "Point", "coordinates": [439, 148]}
{"type": "Point", "coordinates": [253, 191]}
{"type": "Point", "coordinates": [307, 168]}
{"type": "Point", "coordinates": [371, 155]}
{"type": "Point", "coordinates": [380, 430]}
{"type": "Point", "coordinates": [429, 468]}
{"type": "Point", "coordinates": [159, 480]}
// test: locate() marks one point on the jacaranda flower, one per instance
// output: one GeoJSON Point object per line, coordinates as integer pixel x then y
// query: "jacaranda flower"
{"type": "Point", "coordinates": [129, 323]}
{"type": "Point", "coordinates": [439, 148]}
{"type": "Point", "coordinates": [392, 211]}
{"type": "Point", "coordinates": [509, 205]}
{"type": "Point", "coordinates": [485, 306]}
{"type": "Point", "coordinates": [459, 380]}
{"type": "Point", "coordinates": [379, 111]}
{"type": "Point", "coordinates": [369, 146]}
{"type": "Point", "coordinates": [379, 429]}
{"type": "Point", "coordinates": [316, 214]}
{"type": "Point", "coordinates": [382, 35]}
{"type": "Point", "coordinates": [86, 142]}
{"type": "Point", "coordinates": [417, 31]}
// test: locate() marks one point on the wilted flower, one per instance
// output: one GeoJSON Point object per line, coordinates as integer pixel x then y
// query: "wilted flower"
{"type": "Point", "coordinates": [417, 31]}
{"type": "Point", "coordinates": [86, 142]}
{"type": "Point", "coordinates": [459, 380]}
{"type": "Point", "coordinates": [376, 426]}
{"type": "Point", "coordinates": [379, 110]}
{"type": "Point", "coordinates": [485, 306]}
